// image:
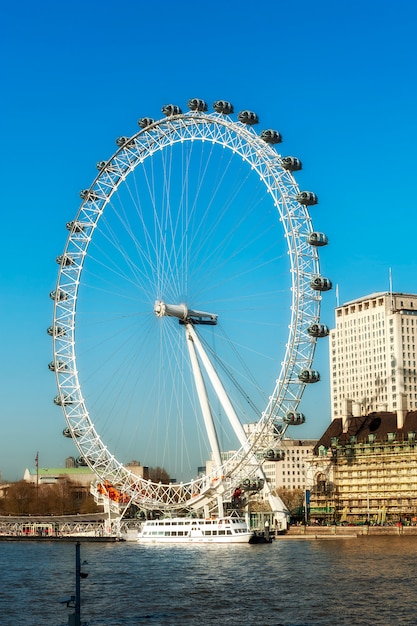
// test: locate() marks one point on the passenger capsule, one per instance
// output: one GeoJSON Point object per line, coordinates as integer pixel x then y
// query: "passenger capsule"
{"type": "Point", "coordinates": [294, 419]}
{"type": "Point", "coordinates": [317, 239]}
{"type": "Point", "coordinates": [65, 260]}
{"type": "Point", "coordinates": [87, 195]}
{"type": "Point", "coordinates": [75, 227]}
{"type": "Point", "coordinates": [318, 330]}
{"type": "Point", "coordinates": [252, 484]}
{"type": "Point", "coordinates": [67, 433]}
{"type": "Point", "coordinates": [308, 198]}
{"type": "Point", "coordinates": [81, 461]}
{"type": "Point", "coordinates": [195, 104]}
{"type": "Point", "coordinates": [124, 141]}
{"type": "Point", "coordinates": [274, 455]}
{"type": "Point", "coordinates": [59, 295]}
{"type": "Point", "coordinates": [309, 376]}
{"type": "Point", "coordinates": [320, 283]}
{"type": "Point", "coordinates": [144, 122]}
{"type": "Point", "coordinates": [292, 164]}
{"type": "Point", "coordinates": [105, 166]}
{"type": "Point", "coordinates": [171, 109]}
{"type": "Point", "coordinates": [59, 366]}
{"type": "Point", "coordinates": [271, 136]}
{"type": "Point", "coordinates": [222, 106]}
{"type": "Point", "coordinates": [248, 117]}
{"type": "Point", "coordinates": [56, 331]}
{"type": "Point", "coordinates": [63, 400]}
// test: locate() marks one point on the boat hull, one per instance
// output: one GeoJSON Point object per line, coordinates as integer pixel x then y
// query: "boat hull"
{"type": "Point", "coordinates": [188, 530]}
{"type": "Point", "coordinates": [162, 540]}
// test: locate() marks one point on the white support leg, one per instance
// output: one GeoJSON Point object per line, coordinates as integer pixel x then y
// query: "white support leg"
{"type": "Point", "coordinates": [205, 409]}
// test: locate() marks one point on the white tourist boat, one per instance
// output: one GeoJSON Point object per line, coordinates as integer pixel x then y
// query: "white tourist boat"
{"type": "Point", "coordinates": [192, 530]}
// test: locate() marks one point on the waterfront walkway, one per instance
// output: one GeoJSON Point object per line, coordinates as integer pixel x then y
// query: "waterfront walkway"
{"type": "Point", "coordinates": [328, 532]}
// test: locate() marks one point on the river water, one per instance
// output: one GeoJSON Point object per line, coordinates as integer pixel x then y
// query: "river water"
{"type": "Point", "coordinates": [291, 582]}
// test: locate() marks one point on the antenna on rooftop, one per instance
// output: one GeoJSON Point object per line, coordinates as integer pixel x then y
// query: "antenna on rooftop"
{"type": "Point", "coordinates": [337, 295]}
{"type": "Point", "coordinates": [390, 289]}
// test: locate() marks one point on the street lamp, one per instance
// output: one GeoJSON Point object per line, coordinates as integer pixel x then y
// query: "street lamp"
{"type": "Point", "coordinates": [74, 619]}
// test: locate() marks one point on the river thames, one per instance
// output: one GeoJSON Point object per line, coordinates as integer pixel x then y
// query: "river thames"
{"type": "Point", "coordinates": [291, 582]}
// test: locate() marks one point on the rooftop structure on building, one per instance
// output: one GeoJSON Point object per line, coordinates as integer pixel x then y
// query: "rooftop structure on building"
{"type": "Point", "coordinates": [50, 475]}
{"type": "Point", "coordinates": [373, 354]}
{"type": "Point", "coordinates": [375, 428]}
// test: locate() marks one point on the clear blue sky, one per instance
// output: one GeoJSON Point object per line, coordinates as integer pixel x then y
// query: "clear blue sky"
{"type": "Point", "coordinates": [337, 79]}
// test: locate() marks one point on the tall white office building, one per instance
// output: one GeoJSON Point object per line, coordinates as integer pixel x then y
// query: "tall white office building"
{"type": "Point", "coordinates": [373, 355]}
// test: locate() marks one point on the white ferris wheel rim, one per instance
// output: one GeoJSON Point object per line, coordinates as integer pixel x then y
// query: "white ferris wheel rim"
{"type": "Point", "coordinates": [262, 157]}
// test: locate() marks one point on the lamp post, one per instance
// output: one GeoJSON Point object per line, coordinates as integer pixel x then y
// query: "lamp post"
{"type": "Point", "coordinates": [77, 585]}
{"type": "Point", "coordinates": [75, 618]}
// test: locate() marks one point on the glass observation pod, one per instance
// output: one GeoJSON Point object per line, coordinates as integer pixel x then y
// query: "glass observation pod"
{"type": "Point", "coordinates": [144, 122]}
{"type": "Point", "coordinates": [274, 455]}
{"type": "Point", "coordinates": [294, 419]}
{"type": "Point", "coordinates": [308, 198]}
{"type": "Point", "coordinates": [317, 239]}
{"type": "Point", "coordinates": [171, 109]}
{"type": "Point", "coordinates": [81, 461]}
{"type": "Point", "coordinates": [318, 330]}
{"type": "Point", "coordinates": [248, 117]}
{"type": "Point", "coordinates": [65, 260]}
{"type": "Point", "coordinates": [222, 106]}
{"type": "Point", "coordinates": [195, 104]}
{"type": "Point", "coordinates": [67, 433]}
{"type": "Point", "coordinates": [60, 366]}
{"type": "Point", "coordinates": [105, 166]}
{"type": "Point", "coordinates": [271, 136]}
{"type": "Point", "coordinates": [56, 331]}
{"type": "Point", "coordinates": [292, 164]}
{"type": "Point", "coordinates": [59, 295]}
{"type": "Point", "coordinates": [252, 484]}
{"type": "Point", "coordinates": [320, 283]}
{"type": "Point", "coordinates": [75, 227]}
{"type": "Point", "coordinates": [63, 401]}
{"type": "Point", "coordinates": [88, 195]}
{"type": "Point", "coordinates": [309, 376]}
{"type": "Point", "coordinates": [124, 142]}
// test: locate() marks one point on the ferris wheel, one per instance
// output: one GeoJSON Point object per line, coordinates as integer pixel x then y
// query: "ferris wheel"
{"type": "Point", "coordinates": [187, 307]}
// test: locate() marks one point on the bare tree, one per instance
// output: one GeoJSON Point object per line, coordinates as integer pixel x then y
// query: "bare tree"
{"type": "Point", "coordinates": [293, 499]}
{"type": "Point", "coordinates": [158, 475]}
{"type": "Point", "coordinates": [20, 499]}
{"type": "Point", "coordinates": [64, 497]}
